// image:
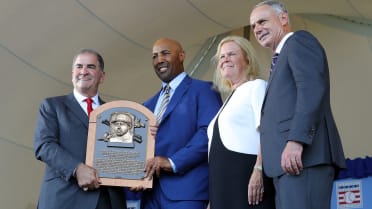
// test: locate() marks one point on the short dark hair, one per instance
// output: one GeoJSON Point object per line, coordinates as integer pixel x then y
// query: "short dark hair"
{"type": "Point", "coordinates": [91, 51]}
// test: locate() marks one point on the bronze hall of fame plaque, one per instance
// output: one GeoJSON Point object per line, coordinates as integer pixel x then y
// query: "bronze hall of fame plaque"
{"type": "Point", "coordinates": [120, 142]}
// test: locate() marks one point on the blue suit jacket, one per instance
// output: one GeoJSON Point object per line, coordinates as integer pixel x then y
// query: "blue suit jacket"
{"type": "Point", "coordinates": [297, 107]}
{"type": "Point", "coordinates": [60, 142]}
{"type": "Point", "coordinates": [182, 137]}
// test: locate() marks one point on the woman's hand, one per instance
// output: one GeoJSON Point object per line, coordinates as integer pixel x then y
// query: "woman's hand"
{"type": "Point", "coordinates": [255, 187]}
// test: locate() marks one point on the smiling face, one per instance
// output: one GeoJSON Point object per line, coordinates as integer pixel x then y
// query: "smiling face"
{"type": "Point", "coordinates": [167, 59]}
{"type": "Point", "coordinates": [268, 26]}
{"type": "Point", "coordinates": [232, 63]}
{"type": "Point", "coordinates": [87, 74]}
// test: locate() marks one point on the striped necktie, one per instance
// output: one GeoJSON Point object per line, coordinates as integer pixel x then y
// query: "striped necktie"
{"type": "Point", "coordinates": [163, 104]}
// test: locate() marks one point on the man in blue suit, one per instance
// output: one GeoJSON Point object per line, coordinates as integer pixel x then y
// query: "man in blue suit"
{"type": "Point", "coordinates": [301, 147]}
{"type": "Point", "coordinates": [61, 139]}
{"type": "Point", "coordinates": [180, 165]}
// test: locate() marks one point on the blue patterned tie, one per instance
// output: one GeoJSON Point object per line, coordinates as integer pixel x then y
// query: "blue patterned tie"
{"type": "Point", "coordinates": [163, 104]}
{"type": "Point", "coordinates": [273, 62]}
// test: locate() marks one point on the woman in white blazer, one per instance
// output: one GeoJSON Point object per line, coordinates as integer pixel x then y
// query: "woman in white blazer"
{"type": "Point", "coordinates": [236, 179]}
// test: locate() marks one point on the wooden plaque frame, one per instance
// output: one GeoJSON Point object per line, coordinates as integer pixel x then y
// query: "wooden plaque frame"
{"type": "Point", "coordinates": [106, 156]}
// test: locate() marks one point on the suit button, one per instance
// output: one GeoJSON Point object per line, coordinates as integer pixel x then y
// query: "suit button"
{"type": "Point", "coordinates": [312, 132]}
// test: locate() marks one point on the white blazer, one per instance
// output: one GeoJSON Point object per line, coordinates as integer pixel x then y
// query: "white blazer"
{"type": "Point", "coordinates": [239, 119]}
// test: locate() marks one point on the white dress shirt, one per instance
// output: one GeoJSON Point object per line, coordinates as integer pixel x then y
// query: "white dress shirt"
{"type": "Point", "coordinates": [81, 99]}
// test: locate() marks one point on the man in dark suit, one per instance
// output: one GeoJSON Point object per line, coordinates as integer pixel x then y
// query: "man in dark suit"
{"type": "Point", "coordinates": [301, 147]}
{"type": "Point", "coordinates": [181, 160]}
{"type": "Point", "coordinates": [61, 139]}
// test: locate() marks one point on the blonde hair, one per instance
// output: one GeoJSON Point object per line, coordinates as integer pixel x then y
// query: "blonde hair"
{"type": "Point", "coordinates": [252, 70]}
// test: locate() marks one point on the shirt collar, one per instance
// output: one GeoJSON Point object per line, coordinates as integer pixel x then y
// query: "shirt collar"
{"type": "Point", "coordinates": [82, 98]}
{"type": "Point", "coordinates": [281, 43]}
{"type": "Point", "coordinates": [175, 82]}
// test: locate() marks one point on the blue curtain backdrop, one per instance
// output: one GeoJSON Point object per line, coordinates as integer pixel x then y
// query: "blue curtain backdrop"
{"type": "Point", "coordinates": [357, 168]}
{"type": "Point", "coordinates": [353, 186]}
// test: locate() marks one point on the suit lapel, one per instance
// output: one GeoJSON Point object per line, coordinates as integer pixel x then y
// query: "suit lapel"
{"type": "Point", "coordinates": [177, 96]}
{"type": "Point", "coordinates": [274, 72]}
{"type": "Point", "coordinates": [101, 102]}
{"type": "Point", "coordinates": [76, 109]}
{"type": "Point", "coordinates": [151, 104]}
{"type": "Point", "coordinates": [272, 76]}
{"type": "Point", "coordinates": [270, 79]}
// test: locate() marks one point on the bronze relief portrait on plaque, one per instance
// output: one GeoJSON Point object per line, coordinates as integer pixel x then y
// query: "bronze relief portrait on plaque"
{"type": "Point", "coordinates": [119, 143]}
{"type": "Point", "coordinates": [122, 127]}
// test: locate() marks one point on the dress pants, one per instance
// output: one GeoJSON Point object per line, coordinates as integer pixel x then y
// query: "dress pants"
{"type": "Point", "coordinates": [104, 200]}
{"type": "Point", "coordinates": [312, 189]}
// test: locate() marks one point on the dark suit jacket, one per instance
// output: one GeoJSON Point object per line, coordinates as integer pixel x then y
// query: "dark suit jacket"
{"type": "Point", "coordinates": [182, 137]}
{"type": "Point", "coordinates": [297, 107]}
{"type": "Point", "coordinates": [60, 142]}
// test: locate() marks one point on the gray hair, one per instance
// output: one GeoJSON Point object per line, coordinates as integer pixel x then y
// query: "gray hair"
{"type": "Point", "coordinates": [277, 6]}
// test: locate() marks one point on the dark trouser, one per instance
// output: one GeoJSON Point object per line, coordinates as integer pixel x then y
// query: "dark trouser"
{"type": "Point", "coordinates": [111, 198]}
{"type": "Point", "coordinates": [312, 189]}
{"type": "Point", "coordinates": [104, 200]}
